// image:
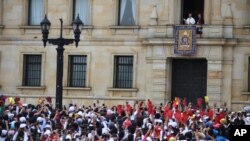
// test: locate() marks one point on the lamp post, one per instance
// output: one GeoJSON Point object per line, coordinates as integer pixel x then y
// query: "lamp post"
{"type": "Point", "coordinates": [60, 42]}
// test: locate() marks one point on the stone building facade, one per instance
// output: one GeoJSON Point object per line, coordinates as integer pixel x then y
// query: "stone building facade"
{"type": "Point", "coordinates": [148, 39]}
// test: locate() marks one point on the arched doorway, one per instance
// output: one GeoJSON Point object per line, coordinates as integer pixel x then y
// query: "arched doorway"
{"type": "Point", "coordinates": [192, 6]}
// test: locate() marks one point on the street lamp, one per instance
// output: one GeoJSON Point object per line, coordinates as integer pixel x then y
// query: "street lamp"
{"type": "Point", "coordinates": [60, 42]}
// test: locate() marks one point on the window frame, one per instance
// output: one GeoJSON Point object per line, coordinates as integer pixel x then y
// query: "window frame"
{"type": "Point", "coordinates": [70, 73]}
{"type": "Point", "coordinates": [114, 84]}
{"type": "Point", "coordinates": [116, 5]}
{"type": "Point", "coordinates": [21, 65]}
{"type": "Point", "coordinates": [29, 12]}
{"type": "Point", "coordinates": [90, 13]}
{"type": "Point", "coordinates": [25, 79]}
{"type": "Point", "coordinates": [66, 71]}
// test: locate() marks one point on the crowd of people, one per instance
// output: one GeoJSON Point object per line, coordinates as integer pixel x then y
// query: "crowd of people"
{"type": "Point", "coordinates": [140, 121]}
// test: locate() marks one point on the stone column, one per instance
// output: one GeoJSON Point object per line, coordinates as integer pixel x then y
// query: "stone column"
{"type": "Point", "coordinates": [207, 11]}
{"type": "Point", "coordinates": [214, 81]}
{"type": "Point", "coordinates": [159, 80]}
{"type": "Point", "coordinates": [216, 12]}
{"type": "Point", "coordinates": [214, 74]}
{"type": "Point", "coordinates": [156, 74]}
{"type": "Point", "coordinates": [227, 69]}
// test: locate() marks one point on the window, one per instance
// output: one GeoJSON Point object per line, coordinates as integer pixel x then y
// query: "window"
{"type": "Point", "coordinates": [36, 11]}
{"type": "Point", "coordinates": [32, 70]}
{"type": "Point", "coordinates": [127, 10]}
{"type": "Point", "coordinates": [123, 71]}
{"type": "Point", "coordinates": [81, 7]}
{"type": "Point", "coordinates": [77, 70]}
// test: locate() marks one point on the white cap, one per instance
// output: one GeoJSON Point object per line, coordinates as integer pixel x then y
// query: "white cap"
{"type": "Point", "coordinates": [25, 105]}
{"type": "Point", "coordinates": [70, 114]}
{"type": "Point", "coordinates": [200, 120]}
{"type": "Point", "coordinates": [173, 124]}
{"type": "Point", "coordinates": [10, 115]}
{"type": "Point", "coordinates": [71, 108]}
{"type": "Point", "coordinates": [80, 113]}
{"type": "Point", "coordinates": [79, 120]}
{"type": "Point", "coordinates": [109, 111]}
{"type": "Point", "coordinates": [68, 137]}
{"type": "Point", "coordinates": [47, 126]}
{"type": "Point", "coordinates": [47, 132]}
{"type": "Point", "coordinates": [39, 119]}
{"type": "Point", "coordinates": [22, 119]}
{"type": "Point", "coordinates": [158, 120]}
{"type": "Point", "coordinates": [4, 132]}
{"type": "Point", "coordinates": [148, 139]}
{"type": "Point", "coordinates": [105, 131]}
{"type": "Point", "coordinates": [22, 125]}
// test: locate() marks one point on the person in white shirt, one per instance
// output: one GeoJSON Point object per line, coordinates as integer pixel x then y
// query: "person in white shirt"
{"type": "Point", "coordinates": [190, 20]}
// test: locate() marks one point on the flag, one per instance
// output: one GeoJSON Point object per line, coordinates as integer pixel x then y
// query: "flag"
{"type": "Point", "coordinates": [206, 99]}
{"type": "Point", "coordinates": [177, 116]}
{"type": "Point", "coordinates": [190, 112]}
{"type": "Point", "coordinates": [128, 108]}
{"type": "Point", "coordinates": [184, 117]}
{"type": "Point", "coordinates": [176, 102]}
{"type": "Point", "coordinates": [11, 100]}
{"type": "Point", "coordinates": [17, 99]}
{"type": "Point", "coordinates": [141, 103]}
{"type": "Point", "coordinates": [169, 114]}
{"type": "Point", "coordinates": [166, 110]}
{"type": "Point", "coordinates": [119, 109]}
{"type": "Point", "coordinates": [184, 102]}
{"type": "Point", "coordinates": [150, 107]}
{"type": "Point", "coordinates": [49, 99]}
{"type": "Point", "coordinates": [202, 113]}
{"type": "Point", "coordinates": [210, 113]}
{"type": "Point", "coordinates": [199, 102]}
{"type": "Point", "coordinates": [2, 100]}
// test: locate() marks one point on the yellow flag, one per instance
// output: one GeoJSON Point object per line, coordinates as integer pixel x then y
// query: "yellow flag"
{"type": "Point", "coordinates": [206, 99]}
{"type": "Point", "coordinates": [11, 100]}
{"type": "Point", "coordinates": [39, 101]}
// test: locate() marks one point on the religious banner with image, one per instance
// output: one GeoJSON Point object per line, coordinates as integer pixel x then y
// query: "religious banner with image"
{"type": "Point", "coordinates": [185, 39]}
